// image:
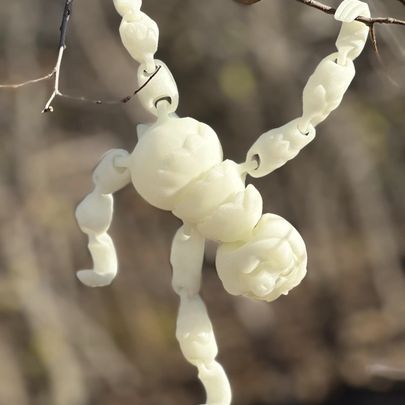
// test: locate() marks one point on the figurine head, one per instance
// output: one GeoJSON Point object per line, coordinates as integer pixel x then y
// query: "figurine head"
{"type": "Point", "coordinates": [270, 264]}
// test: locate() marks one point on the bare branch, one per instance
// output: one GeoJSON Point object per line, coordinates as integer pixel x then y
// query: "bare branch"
{"type": "Point", "coordinates": [56, 72]}
{"type": "Point", "coordinates": [56, 92]}
{"type": "Point", "coordinates": [330, 10]}
{"type": "Point", "coordinates": [373, 38]}
{"type": "Point", "coordinates": [62, 46]}
{"type": "Point", "coordinates": [32, 81]}
{"type": "Point", "coordinates": [365, 20]}
{"type": "Point", "coordinates": [122, 100]}
{"type": "Point", "coordinates": [319, 6]}
{"type": "Point", "coordinates": [67, 11]}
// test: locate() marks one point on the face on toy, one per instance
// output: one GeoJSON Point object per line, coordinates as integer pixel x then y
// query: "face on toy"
{"type": "Point", "coordinates": [169, 155]}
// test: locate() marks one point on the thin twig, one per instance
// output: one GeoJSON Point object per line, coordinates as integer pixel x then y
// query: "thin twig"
{"type": "Point", "coordinates": [331, 10]}
{"type": "Point", "coordinates": [373, 38]}
{"type": "Point", "coordinates": [122, 100]}
{"type": "Point", "coordinates": [67, 11]}
{"type": "Point", "coordinates": [32, 81]}
{"type": "Point", "coordinates": [365, 20]}
{"type": "Point", "coordinates": [56, 92]}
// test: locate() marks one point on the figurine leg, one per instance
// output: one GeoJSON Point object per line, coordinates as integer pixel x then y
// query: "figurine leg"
{"type": "Point", "coordinates": [194, 329]}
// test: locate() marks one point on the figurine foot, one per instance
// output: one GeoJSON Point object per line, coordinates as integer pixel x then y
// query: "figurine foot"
{"type": "Point", "coordinates": [93, 279]}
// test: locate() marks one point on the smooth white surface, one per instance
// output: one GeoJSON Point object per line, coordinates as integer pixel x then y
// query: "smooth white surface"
{"type": "Point", "coordinates": [108, 176]}
{"type": "Point", "coordinates": [325, 89]}
{"type": "Point", "coordinates": [271, 263]}
{"type": "Point", "coordinates": [170, 155]}
{"type": "Point", "coordinates": [276, 147]}
{"type": "Point", "coordinates": [140, 36]}
{"type": "Point", "coordinates": [235, 218]}
{"type": "Point", "coordinates": [186, 258]}
{"type": "Point", "coordinates": [94, 216]}
{"type": "Point", "coordinates": [194, 329]}
{"type": "Point", "coordinates": [198, 344]}
{"type": "Point", "coordinates": [124, 7]}
{"type": "Point", "coordinates": [353, 34]}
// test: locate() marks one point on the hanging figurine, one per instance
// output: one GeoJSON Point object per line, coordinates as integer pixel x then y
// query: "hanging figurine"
{"type": "Point", "coordinates": [177, 165]}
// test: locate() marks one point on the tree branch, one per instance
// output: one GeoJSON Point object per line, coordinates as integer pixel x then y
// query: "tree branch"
{"type": "Point", "coordinates": [122, 100]}
{"type": "Point", "coordinates": [31, 81]}
{"type": "Point", "coordinates": [67, 12]}
{"type": "Point", "coordinates": [331, 10]}
{"type": "Point", "coordinates": [365, 20]}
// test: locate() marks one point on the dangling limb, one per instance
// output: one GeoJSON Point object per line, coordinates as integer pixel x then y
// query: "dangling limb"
{"type": "Point", "coordinates": [322, 94]}
{"type": "Point", "coordinates": [194, 329]}
{"type": "Point", "coordinates": [353, 34]}
{"type": "Point", "coordinates": [94, 215]}
{"type": "Point", "coordinates": [327, 85]}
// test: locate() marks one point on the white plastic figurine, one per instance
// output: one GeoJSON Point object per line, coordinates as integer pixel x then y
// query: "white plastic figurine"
{"type": "Point", "coordinates": [178, 166]}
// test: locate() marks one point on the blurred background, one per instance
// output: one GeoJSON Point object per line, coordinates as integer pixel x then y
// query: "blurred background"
{"type": "Point", "coordinates": [339, 338]}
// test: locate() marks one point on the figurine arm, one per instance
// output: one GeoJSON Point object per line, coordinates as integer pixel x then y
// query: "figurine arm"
{"type": "Point", "coordinates": [94, 216]}
{"type": "Point", "coordinates": [322, 94]}
{"type": "Point", "coordinates": [353, 34]}
{"type": "Point", "coordinates": [194, 329]}
{"type": "Point", "coordinates": [276, 147]}
{"type": "Point", "coordinates": [328, 84]}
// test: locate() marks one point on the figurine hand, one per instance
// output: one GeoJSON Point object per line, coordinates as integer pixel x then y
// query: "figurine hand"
{"type": "Point", "coordinates": [353, 35]}
{"type": "Point", "coordinates": [349, 10]}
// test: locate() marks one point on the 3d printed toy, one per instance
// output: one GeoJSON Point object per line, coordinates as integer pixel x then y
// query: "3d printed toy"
{"type": "Point", "coordinates": [178, 166]}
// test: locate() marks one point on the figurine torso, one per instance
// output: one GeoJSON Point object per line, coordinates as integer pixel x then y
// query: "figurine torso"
{"type": "Point", "coordinates": [177, 165]}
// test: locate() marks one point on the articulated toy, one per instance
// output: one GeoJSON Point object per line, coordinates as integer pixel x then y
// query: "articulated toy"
{"type": "Point", "coordinates": [177, 165]}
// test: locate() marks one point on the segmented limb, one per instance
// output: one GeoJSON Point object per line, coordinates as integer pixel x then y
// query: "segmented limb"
{"type": "Point", "coordinates": [328, 84]}
{"type": "Point", "coordinates": [322, 94]}
{"type": "Point", "coordinates": [276, 147]}
{"type": "Point", "coordinates": [353, 34]}
{"type": "Point", "coordinates": [94, 216]}
{"type": "Point", "coordinates": [194, 329]}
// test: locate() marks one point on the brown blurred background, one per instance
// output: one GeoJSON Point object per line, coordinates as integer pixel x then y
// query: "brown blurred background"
{"type": "Point", "coordinates": [339, 338]}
